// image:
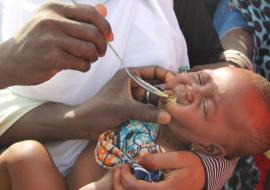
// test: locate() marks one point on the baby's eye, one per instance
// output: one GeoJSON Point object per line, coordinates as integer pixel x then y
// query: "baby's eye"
{"type": "Point", "coordinates": [202, 78]}
{"type": "Point", "coordinates": [205, 109]}
{"type": "Point", "coordinates": [199, 78]}
{"type": "Point", "coordinates": [204, 103]}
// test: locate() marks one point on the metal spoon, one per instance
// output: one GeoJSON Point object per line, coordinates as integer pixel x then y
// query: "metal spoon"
{"type": "Point", "coordinates": [137, 79]}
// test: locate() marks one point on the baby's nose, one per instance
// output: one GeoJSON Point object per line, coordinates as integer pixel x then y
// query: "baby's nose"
{"type": "Point", "coordinates": [194, 93]}
{"type": "Point", "coordinates": [181, 94]}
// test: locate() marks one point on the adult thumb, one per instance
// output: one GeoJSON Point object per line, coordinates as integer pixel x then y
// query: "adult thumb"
{"type": "Point", "coordinates": [149, 113]}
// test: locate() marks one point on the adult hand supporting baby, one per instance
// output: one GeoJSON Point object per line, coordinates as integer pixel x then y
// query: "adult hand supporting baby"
{"type": "Point", "coordinates": [116, 102]}
{"type": "Point", "coordinates": [186, 172]}
{"type": "Point", "coordinates": [113, 105]}
{"type": "Point", "coordinates": [58, 37]}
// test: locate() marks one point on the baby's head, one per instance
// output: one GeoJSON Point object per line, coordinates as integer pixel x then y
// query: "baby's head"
{"type": "Point", "coordinates": [224, 111]}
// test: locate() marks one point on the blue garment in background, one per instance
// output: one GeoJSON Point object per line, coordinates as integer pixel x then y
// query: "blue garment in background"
{"type": "Point", "coordinates": [227, 18]}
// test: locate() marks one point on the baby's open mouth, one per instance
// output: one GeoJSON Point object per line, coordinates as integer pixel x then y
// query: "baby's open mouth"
{"type": "Point", "coordinates": [176, 96]}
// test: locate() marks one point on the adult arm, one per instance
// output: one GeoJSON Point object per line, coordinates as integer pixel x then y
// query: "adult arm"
{"type": "Point", "coordinates": [240, 40]}
{"type": "Point", "coordinates": [232, 28]}
{"type": "Point", "coordinates": [58, 37]}
{"type": "Point", "coordinates": [113, 105]}
{"type": "Point", "coordinates": [234, 34]}
{"type": "Point", "coordinates": [205, 41]}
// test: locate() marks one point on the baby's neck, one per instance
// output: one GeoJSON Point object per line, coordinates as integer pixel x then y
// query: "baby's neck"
{"type": "Point", "coordinates": [167, 140]}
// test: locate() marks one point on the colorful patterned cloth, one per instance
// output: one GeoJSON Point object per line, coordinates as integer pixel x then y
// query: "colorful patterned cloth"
{"type": "Point", "coordinates": [133, 140]}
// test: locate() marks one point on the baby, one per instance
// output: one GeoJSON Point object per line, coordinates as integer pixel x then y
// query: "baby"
{"type": "Point", "coordinates": [223, 112]}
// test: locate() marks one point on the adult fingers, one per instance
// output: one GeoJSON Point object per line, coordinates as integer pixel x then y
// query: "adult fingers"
{"type": "Point", "coordinates": [116, 180]}
{"type": "Point", "coordinates": [66, 61]}
{"type": "Point", "coordinates": [78, 48]}
{"type": "Point", "coordinates": [87, 14]}
{"type": "Point", "coordinates": [141, 95]}
{"type": "Point", "coordinates": [129, 182]}
{"type": "Point", "coordinates": [169, 160]}
{"type": "Point", "coordinates": [149, 113]}
{"type": "Point", "coordinates": [153, 73]}
{"type": "Point", "coordinates": [138, 94]}
{"type": "Point", "coordinates": [101, 9]}
{"type": "Point", "coordinates": [174, 109]}
{"type": "Point", "coordinates": [179, 179]}
{"type": "Point", "coordinates": [85, 32]}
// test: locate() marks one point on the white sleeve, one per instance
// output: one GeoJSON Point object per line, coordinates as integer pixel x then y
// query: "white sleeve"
{"type": "Point", "coordinates": [13, 107]}
{"type": "Point", "coordinates": [1, 19]}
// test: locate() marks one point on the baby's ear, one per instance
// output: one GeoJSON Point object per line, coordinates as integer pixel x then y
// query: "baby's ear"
{"type": "Point", "coordinates": [212, 149]}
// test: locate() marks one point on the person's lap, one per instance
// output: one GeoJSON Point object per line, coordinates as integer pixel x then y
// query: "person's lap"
{"type": "Point", "coordinates": [85, 170]}
{"type": "Point", "coordinates": [65, 153]}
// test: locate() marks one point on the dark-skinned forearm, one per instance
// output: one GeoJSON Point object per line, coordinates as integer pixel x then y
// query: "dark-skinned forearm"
{"type": "Point", "coordinates": [6, 77]}
{"type": "Point", "coordinates": [48, 122]}
{"type": "Point", "coordinates": [238, 39]}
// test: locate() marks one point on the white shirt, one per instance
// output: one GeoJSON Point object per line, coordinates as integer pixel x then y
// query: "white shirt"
{"type": "Point", "coordinates": [146, 33]}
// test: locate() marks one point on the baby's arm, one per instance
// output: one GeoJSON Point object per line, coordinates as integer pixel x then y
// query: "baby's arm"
{"type": "Point", "coordinates": [85, 170]}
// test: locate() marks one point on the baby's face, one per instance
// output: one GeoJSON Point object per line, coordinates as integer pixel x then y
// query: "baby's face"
{"type": "Point", "coordinates": [217, 108]}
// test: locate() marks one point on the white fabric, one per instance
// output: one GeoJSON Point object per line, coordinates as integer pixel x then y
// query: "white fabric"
{"type": "Point", "coordinates": [13, 107]}
{"type": "Point", "coordinates": [146, 33]}
{"type": "Point", "coordinates": [143, 36]}
{"type": "Point", "coordinates": [64, 154]}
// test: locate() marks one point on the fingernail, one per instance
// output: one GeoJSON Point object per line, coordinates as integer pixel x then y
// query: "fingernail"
{"type": "Point", "coordinates": [110, 37]}
{"type": "Point", "coordinates": [164, 118]}
{"type": "Point", "coordinates": [101, 9]}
